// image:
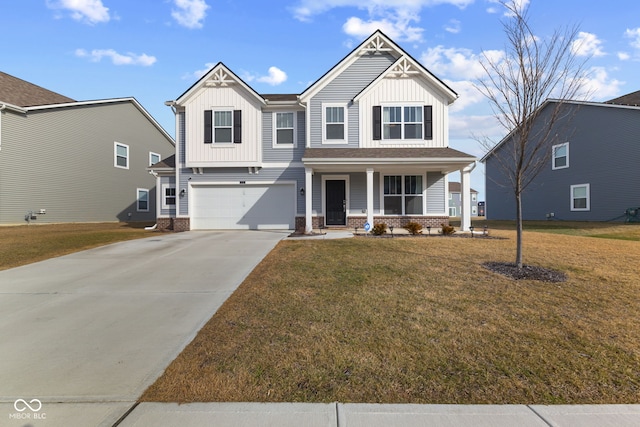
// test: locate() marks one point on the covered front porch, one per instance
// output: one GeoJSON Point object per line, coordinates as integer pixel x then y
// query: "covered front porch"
{"type": "Point", "coordinates": [346, 187]}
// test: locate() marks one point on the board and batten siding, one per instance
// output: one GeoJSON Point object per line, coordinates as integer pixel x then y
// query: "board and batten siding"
{"type": "Point", "coordinates": [62, 160]}
{"type": "Point", "coordinates": [282, 154]}
{"type": "Point", "coordinates": [236, 175]}
{"type": "Point", "coordinates": [199, 154]}
{"type": "Point", "coordinates": [393, 91]}
{"type": "Point", "coordinates": [342, 89]}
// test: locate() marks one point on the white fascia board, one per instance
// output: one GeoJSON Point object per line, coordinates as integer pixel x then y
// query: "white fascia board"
{"type": "Point", "coordinates": [389, 161]}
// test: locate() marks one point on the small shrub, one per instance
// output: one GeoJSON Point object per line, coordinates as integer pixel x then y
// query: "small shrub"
{"type": "Point", "coordinates": [447, 230]}
{"type": "Point", "coordinates": [413, 228]}
{"type": "Point", "coordinates": [379, 229]}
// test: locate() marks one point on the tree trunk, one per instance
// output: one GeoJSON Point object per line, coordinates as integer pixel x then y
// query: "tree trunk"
{"type": "Point", "coordinates": [519, 229]}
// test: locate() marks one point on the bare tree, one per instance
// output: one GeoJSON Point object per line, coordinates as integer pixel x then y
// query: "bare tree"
{"type": "Point", "coordinates": [517, 85]}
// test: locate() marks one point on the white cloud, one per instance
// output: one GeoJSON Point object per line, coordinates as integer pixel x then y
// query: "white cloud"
{"type": "Point", "coordinates": [587, 44]}
{"type": "Point", "coordinates": [623, 56]}
{"type": "Point", "coordinates": [394, 17]}
{"type": "Point", "coordinates": [634, 35]}
{"type": "Point", "coordinates": [96, 55]}
{"type": "Point", "coordinates": [599, 86]}
{"type": "Point", "coordinates": [457, 63]}
{"type": "Point", "coordinates": [471, 126]}
{"type": "Point", "coordinates": [89, 11]}
{"type": "Point", "coordinates": [513, 5]}
{"type": "Point", "coordinates": [454, 26]}
{"type": "Point", "coordinates": [190, 13]}
{"type": "Point", "coordinates": [276, 76]}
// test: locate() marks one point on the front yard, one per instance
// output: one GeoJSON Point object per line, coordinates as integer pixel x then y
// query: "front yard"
{"type": "Point", "coordinates": [420, 320]}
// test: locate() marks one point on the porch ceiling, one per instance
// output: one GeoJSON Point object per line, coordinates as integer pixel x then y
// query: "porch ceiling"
{"type": "Point", "coordinates": [359, 159]}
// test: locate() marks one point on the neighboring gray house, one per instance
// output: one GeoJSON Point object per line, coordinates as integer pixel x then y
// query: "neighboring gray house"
{"type": "Point", "coordinates": [367, 142]}
{"type": "Point", "coordinates": [594, 170]}
{"type": "Point", "coordinates": [455, 200]}
{"type": "Point", "coordinates": [76, 161]}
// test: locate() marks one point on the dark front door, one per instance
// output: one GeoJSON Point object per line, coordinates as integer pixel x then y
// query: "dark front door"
{"type": "Point", "coordinates": [336, 202]}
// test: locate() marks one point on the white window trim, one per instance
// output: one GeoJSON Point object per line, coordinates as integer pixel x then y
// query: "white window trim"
{"type": "Point", "coordinates": [138, 190]}
{"type": "Point", "coordinates": [553, 157]}
{"type": "Point", "coordinates": [115, 155]}
{"type": "Point", "coordinates": [214, 143]}
{"type": "Point", "coordinates": [151, 154]}
{"type": "Point", "coordinates": [454, 210]}
{"type": "Point", "coordinates": [275, 130]}
{"type": "Point", "coordinates": [403, 175]}
{"type": "Point", "coordinates": [588, 208]}
{"type": "Point", "coordinates": [164, 196]}
{"type": "Point", "coordinates": [402, 123]}
{"type": "Point", "coordinates": [324, 125]}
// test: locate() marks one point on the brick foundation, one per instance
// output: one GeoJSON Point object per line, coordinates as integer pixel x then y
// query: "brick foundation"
{"type": "Point", "coordinates": [395, 221]}
{"type": "Point", "coordinates": [173, 224]}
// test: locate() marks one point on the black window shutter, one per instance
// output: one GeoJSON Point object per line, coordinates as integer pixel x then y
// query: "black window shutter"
{"type": "Point", "coordinates": [208, 128]}
{"type": "Point", "coordinates": [428, 122]}
{"type": "Point", "coordinates": [237, 126]}
{"type": "Point", "coordinates": [377, 123]}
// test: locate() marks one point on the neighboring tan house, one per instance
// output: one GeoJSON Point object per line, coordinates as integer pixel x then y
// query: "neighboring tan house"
{"type": "Point", "coordinates": [592, 174]}
{"type": "Point", "coordinates": [455, 200]}
{"type": "Point", "coordinates": [368, 142]}
{"type": "Point", "coordinates": [75, 161]}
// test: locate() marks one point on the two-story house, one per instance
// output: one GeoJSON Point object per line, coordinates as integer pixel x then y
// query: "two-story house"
{"type": "Point", "coordinates": [455, 199]}
{"type": "Point", "coordinates": [63, 160]}
{"type": "Point", "coordinates": [368, 142]}
{"type": "Point", "coordinates": [591, 171]}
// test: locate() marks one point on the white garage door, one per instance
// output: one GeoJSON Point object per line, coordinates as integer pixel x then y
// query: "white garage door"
{"type": "Point", "coordinates": [242, 207]}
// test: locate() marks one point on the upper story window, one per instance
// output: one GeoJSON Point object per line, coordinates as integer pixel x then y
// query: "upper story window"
{"type": "Point", "coordinates": [223, 126]}
{"type": "Point", "coordinates": [153, 158]}
{"type": "Point", "coordinates": [580, 197]}
{"type": "Point", "coordinates": [560, 156]}
{"type": "Point", "coordinates": [284, 129]}
{"type": "Point", "coordinates": [334, 122]}
{"type": "Point", "coordinates": [402, 122]}
{"type": "Point", "coordinates": [121, 155]}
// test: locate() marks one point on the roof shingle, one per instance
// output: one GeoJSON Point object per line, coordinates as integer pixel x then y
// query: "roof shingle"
{"type": "Point", "coordinates": [24, 94]}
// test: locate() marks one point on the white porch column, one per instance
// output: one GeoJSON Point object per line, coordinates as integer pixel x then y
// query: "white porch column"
{"type": "Point", "coordinates": [370, 196]}
{"type": "Point", "coordinates": [465, 197]}
{"type": "Point", "coordinates": [308, 198]}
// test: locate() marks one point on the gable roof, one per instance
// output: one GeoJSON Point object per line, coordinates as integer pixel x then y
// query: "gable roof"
{"type": "Point", "coordinates": [632, 98]}
{"type": "Point", "coordinates": [21, 93]}
{"type": "Point", "coordinates": [378, 42]}
{"type": "Point", "coordinates": [454, 187]}
{"type": "Point", "coordinates": [219, 75]}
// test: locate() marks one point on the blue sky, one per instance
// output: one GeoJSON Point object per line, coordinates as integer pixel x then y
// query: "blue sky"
{"type": "Point", "coordinates": [154, 50]}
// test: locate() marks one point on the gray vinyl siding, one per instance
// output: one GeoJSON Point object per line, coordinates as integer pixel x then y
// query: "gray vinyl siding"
{"type": "Point", "coordinates": [279, 155]}
{"type": "Point", "coordinates": [62, 160]}
{"type": "Point", "coordinates": [235, 175]}
{"type": "Point", "coordinates": [435, 193]}
{"type": "Point", "coordinates": [604, 152]}
{"type": "Point", "coordinates": [343, 89]}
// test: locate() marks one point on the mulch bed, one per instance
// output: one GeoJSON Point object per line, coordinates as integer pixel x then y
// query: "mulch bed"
{"type": "Point", "coordinates": [527, 272]}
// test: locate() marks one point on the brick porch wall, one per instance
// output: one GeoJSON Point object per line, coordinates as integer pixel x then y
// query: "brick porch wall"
{"type": "Point", "coordinates": [395, 221]}
{"type": "Point", "coordinates": [173, 224]}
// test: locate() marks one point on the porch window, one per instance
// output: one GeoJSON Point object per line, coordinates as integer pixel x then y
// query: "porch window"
{"type": "Point", "coordinates": [403, 195]}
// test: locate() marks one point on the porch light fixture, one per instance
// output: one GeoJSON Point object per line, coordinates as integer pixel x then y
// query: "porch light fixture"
{"type": "Point", "coordinates": [391, 228]}
{"type": "Point", "coordinates": [182, 192]}
{"type": "Point", "coordinates": [429, 229]}
{"type": "Point", "coordinates": [302, 191]}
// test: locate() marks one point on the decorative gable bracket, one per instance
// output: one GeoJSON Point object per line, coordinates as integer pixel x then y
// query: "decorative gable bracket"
{"type": "Point", "coordinates": [219, 78]}
{"type": "Point", "coordinates": [404, 68]}
{"type": "Point", "coordinates": [376, 44]}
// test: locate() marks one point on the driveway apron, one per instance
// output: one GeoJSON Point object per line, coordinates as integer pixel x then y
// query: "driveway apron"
{"type": "Point", "coordinates": [87, 333]}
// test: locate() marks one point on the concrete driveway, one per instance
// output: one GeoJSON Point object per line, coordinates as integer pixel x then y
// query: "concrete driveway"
{"type": "Point", "coordinates": [86, 334]}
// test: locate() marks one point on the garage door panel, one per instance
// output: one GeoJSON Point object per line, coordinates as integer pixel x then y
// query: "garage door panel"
{"type": "Point", "coordinates": [243, 207]}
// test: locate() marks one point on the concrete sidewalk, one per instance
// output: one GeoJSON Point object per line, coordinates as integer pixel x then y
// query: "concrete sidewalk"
{"type": "Point", "coordinates": [379, 415]}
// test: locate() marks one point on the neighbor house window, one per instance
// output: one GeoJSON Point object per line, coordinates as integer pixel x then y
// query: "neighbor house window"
{"type": "Point", "coordinates": [402, 122]}
{"type": "Point", "coordinates": [403, 194]}
{"type": "Point", "coordinates": [168, 196]}
{"type": "Point", "coordinates": [222, 126]}
{"type": "Point", "coordinates": [474, 197]}
{"type": "Point", "coordinates": [121, 155]}
{"type": "Point", "coordinates": [580, 197]}
{"type": "Point", "coordinates": [334, 124]}
{"type": "Point", "coordinates": [285, 129]}
{"type": "Point", "coordinates": [452, 211]}
{"type": "Point", "coordinates": [153, 158]}
{"type": "Point", "coordinates": [560, 156]}
{"type": "Point", "coordinates": [143, 200]}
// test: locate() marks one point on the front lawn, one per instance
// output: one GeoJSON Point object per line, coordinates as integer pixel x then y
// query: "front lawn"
{"type": "Point", "coordinates": [419, 320]}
